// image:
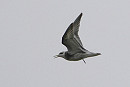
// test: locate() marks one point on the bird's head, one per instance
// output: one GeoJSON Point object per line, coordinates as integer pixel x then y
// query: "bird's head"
{"type": "Point", "coordinates": [61, 54]}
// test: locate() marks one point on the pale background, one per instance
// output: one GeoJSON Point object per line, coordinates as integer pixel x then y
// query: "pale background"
{"type": "Point", "coordinates": [30, 35]}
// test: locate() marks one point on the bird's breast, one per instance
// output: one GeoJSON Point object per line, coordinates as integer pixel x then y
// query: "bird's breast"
{"type": "Point", "coordinates": [74, 57]}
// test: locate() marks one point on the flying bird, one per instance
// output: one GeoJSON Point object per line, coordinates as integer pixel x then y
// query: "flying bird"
{"type": "Point", "coordinates": [72, 41]}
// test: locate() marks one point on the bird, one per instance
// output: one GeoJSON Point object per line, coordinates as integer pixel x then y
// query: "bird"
{"type": "Point", "coordinates": [72, 41]}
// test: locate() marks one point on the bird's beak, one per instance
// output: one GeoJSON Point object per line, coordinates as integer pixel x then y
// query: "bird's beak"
{"type": "Point", "coordinates": [55, 56]}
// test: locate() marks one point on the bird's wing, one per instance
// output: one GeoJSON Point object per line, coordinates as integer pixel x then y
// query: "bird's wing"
{"type": "Point", "coordinates": [70, 42]}
{"type": "Point", "coordinates": [76, 25]}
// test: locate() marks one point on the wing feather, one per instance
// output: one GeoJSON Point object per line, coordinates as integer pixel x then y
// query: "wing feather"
{"type": "Point", "coordinates": [71, 38]}
{"type": "Point", "coordinates": [76, 25]}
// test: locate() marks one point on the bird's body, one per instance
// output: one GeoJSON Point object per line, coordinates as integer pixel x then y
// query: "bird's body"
{"type": "Point", "coordinates": [71, 40]}
{"type": "Point", "coordinates": [79, 55]}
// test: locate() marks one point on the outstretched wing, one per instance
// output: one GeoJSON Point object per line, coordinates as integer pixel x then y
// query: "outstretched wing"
{"type": "Point", "coordinates": [71, 39]}
{"type": "Point", "coordinates": [76, 25]}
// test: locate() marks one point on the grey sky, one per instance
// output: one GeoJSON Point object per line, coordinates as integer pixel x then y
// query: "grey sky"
{"type": "Point", "coordinates": [30, 35]}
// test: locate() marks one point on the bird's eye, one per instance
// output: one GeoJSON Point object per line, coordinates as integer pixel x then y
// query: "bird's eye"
{"type": "Point", "coordinates": [61, 53]}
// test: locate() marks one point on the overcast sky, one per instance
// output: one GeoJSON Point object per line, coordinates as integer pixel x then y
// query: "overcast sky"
{"type": "Point", "coordinates": [31, 32]}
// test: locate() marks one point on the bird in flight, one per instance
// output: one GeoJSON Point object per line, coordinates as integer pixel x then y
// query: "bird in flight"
{"type": "Point", "coordinates": [72, 41]}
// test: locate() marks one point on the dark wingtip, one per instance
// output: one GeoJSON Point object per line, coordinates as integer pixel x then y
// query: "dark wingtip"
{"type": "Point", "coordinates": [78, 18]}
{"type": "Point", "coordinates": [98, 53]}
{"type": "Point", "coordinates": [81, 14]}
